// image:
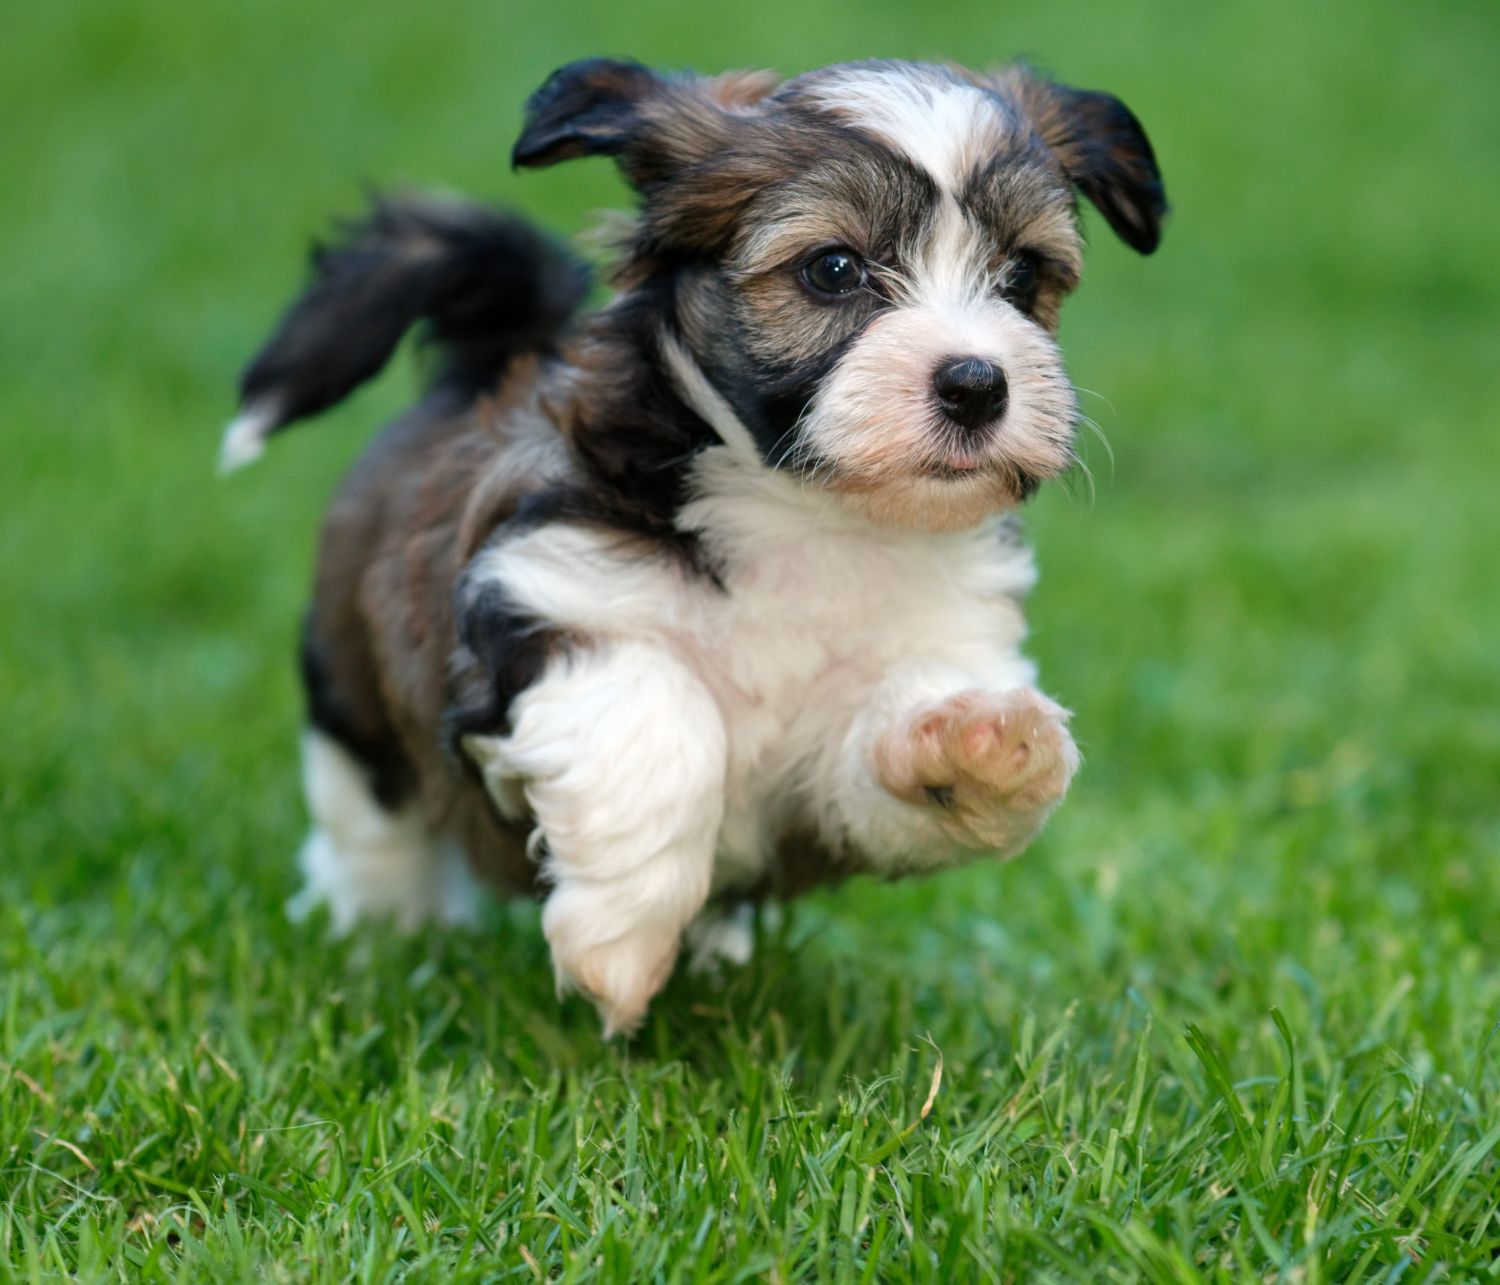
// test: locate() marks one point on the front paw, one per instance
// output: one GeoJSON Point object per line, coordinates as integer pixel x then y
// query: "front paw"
{"type": "Point", "coordinates": [990, 766]}
{"type": "Point", "coordinates": [617, 963]}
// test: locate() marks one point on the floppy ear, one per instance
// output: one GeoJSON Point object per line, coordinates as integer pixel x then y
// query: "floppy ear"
{"type": "Point", "coordinates": [588, 108]}
{"type": "Point", "coordinates": [654, 125]}
{"type": "Point", "coordinates": [1102, 149]}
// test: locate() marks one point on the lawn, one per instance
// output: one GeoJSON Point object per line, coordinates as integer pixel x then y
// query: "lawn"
{"type": "Point", "coordinates": [1230, 1019]}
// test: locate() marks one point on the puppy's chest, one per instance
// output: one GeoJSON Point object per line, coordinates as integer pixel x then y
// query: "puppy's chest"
{"type": "Point", "coordinates": [803, 631]}
{"type": "Point", "coordinates": [792, 637]}
{"type": "Point", "coordinates": [798, 626]}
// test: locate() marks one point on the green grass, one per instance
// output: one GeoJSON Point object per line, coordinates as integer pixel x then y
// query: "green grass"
{"type": "Point", "coordinates": [1230, 1019]}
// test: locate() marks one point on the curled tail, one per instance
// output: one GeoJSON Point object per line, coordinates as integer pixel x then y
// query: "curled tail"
{"type": "Point", "coordinates": [485, 285]}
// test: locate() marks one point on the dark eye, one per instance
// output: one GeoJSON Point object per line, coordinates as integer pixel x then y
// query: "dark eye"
{"type": "Point", "coordinates": [1021, 279]}
{"type": "Point", "coordinates": [834, 272]}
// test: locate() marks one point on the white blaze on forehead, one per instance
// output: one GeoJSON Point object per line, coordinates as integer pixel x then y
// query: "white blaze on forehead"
{"type": "Point", "coordinates": [946, 127]}
{"type": "Point", "coordinates": [943, 125]}
{"type": "Point", "coordinates": [953, 270]}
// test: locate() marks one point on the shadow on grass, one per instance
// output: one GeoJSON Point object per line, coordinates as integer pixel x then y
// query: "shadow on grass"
{"type": "Point", "coordinates": [485, 1002]}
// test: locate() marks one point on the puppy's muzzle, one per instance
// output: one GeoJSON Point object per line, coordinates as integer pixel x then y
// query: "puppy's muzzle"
{"type": "Point", "coordinates": [971, 391]}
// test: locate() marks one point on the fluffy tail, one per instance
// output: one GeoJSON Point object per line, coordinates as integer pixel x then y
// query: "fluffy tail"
{"type": "Point", "coordinates": [484, 284]}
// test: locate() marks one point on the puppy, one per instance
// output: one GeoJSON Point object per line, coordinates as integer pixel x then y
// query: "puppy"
{"type": "Point", "coordinates": [714, 593]}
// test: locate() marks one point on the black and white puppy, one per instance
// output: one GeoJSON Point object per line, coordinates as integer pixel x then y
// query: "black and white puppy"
{"type": "Point", "coordinates": [711, 594]}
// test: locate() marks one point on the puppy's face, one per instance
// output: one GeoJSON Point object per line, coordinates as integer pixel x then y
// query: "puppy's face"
{"type": "Point", "coordinates": [868, 261]}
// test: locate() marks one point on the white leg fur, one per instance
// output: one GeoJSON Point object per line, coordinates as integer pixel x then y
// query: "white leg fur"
{"type": "Point", "coordinates": [621, 753]}
{"type": "Point", "coordinates": [363, 862]}
{"type": "Point", "coordinates": [721, 937]}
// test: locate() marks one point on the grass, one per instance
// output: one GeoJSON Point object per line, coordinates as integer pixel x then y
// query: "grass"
{"type": "Point", "coordinates": [1230, 1019]}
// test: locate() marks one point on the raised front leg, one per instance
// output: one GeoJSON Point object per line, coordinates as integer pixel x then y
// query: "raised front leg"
{"type": "Point", "coordinates": [935, 768]}
{"type": "Point", "coordinates": [619, 752]}
{"type": "Point", "coordinates": [989, 766]}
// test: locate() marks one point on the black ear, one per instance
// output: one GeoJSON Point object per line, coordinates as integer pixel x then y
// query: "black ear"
{"type": "Point", "coordinates": [1101, 147]}
{"type": "Point", "coordinates": [1109, 157]}
{"type": "Point", "coordinates": [588, 108]}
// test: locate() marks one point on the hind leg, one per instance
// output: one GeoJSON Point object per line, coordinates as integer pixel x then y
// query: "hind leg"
{"type": "Point", "coordinates": [365, 861]}
{"type": "Point", "coordinates": [721, 937]}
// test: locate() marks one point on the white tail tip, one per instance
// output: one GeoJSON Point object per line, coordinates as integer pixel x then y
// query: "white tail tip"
{"type": "Point", "coordinates": [245, 438]}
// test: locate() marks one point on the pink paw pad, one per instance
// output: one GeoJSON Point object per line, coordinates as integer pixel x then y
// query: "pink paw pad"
{"type": "Point", "coordinates": [993, 763]}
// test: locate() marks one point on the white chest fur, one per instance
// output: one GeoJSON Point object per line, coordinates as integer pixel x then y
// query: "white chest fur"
{"type": "Point", "coordinates": [813, 610]}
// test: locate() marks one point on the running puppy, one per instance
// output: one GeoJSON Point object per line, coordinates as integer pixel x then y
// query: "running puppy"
{"type": "Point", "coordinates": [711, 594]}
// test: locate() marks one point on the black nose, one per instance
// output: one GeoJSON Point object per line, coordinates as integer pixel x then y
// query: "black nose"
{"type": "Point", "coordinates": [971, 391]}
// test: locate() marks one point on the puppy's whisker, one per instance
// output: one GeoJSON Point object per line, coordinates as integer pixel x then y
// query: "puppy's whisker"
{"type": "Point", "coordinates": [902, 286]}
{"type": "Point", "coordinates": [797, 422]}
{"type": "Point", "coordinates": [1090, 392]}
{"type": "Point", "coordinates": [1080, 466]}
{"type": "Point", "coordinates": [1089, 423]}
{"type": "Point", "coordinates": [774, 454]}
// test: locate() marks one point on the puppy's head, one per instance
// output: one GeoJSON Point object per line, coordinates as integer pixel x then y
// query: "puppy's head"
{"type": "Point", "coordinates": [867, 261]}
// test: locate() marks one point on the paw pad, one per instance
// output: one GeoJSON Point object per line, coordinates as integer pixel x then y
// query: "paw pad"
{"type": "Point", "coordinates": [991, 765]}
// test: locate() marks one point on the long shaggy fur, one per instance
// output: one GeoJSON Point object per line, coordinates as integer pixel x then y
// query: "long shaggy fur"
{"type": "Point", "coordinates": [713, 593]}
{"type": "Point", "coordinates": [482, 285]}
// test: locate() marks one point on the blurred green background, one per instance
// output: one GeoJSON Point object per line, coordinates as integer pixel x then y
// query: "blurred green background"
{"type": "Point", "coordinates": [1276, 620]}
